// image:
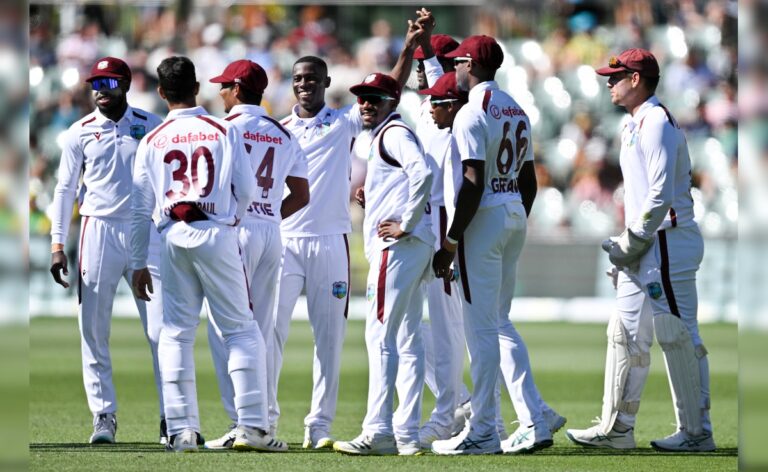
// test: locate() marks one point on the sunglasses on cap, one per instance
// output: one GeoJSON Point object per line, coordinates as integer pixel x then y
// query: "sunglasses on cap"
{"type": "Point", "coordinates": [104, 83]}
{"type": "Point", "coordinates": [614, 62]}
{"type": "Point", "coordinates": [443, 101]}
{"type": "Point", "coordinates": [372, 98]}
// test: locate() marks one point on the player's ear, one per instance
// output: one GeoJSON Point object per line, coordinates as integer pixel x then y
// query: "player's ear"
{"type": "Point", "coordinates": [197, 87]}
{"type": "Point", "coordinates": [327, 82]}
{"type": "Point", "coordinates": [161, 92]}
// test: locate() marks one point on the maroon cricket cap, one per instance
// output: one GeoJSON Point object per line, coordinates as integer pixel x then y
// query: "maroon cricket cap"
{"type": "Point", "coordinates": [245, 73]}
{"type": "Point", "coordinates": [377, 82]}
{"type": "Point", "coordinates": [445, 87]}
{"type": "Point", "coordinates": [481, 49]}
{"type": "Point", "coordinates": [636, 60]}
{"type": "Point", "coordinates": [110, 67]}
{"type": "Point", "coordinates": [442, 44]}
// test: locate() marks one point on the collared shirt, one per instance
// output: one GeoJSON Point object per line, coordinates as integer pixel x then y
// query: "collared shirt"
{"type": "Point", "coordinates": [493, 128]}
{"type": "Point", "coordinates": [397, 184]}
{"type": "Point", "coordinates": [327, 140]}
{"type": "Point", "coordinates": [274, 155]}
{"type": "Point", "coordinates": [657, 171]}
{"type": "Point", "coordinates": [191, 157]}
{"type": "Point", "coordinates": [102, 151]}
{"type": "Point", "coordinates": [436, 141]}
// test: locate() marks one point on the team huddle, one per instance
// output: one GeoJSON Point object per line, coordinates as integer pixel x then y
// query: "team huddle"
{"type": "Point", "coordinates": [192, 211]}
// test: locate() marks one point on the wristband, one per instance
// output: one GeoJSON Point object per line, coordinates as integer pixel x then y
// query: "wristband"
{"type": "Point", "coordinates": [57, 247]}
{"type": "Point", "coordinates": [451, 240]}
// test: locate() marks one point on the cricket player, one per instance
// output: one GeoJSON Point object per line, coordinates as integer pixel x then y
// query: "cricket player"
{"type": "Point", "coordinates": [656, 259]}
{"type": "Point", "coordinates": [398, 245]}
{"type": "Point", "coordinates": [193, 169]}
{"type": "Point", "coordinates": [492, 136]}
{"type": "Point", "coordinates": [278, 161]}
{"type": "Point", "coordinates": [101, 147]}
{"type": "Point", "coordinates": [315, 246]}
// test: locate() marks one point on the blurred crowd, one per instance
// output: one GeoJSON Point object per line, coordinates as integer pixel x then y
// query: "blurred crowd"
{"type": "Point", "coordinates": [551, 50]}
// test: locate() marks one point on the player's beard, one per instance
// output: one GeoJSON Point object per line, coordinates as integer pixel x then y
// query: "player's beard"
{"type": "Point", "coordinates": [116, 101]}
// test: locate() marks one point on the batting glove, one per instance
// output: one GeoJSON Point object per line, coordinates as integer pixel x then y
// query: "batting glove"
{"type": "Point", "coordinates": [627, 249]}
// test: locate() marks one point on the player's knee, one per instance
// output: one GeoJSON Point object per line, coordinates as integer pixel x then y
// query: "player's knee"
{"type": "Point", "coordinates": [670, 331]}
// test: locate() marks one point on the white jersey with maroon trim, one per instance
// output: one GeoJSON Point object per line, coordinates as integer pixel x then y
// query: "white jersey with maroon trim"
{"type": "Point", "coordinates": [327, 140]}
{"type": "Point", "coordinates": [103, 151]}
{"type": "Point", "coordinates": [191, 157]}
{"type": "Point", "coordinates": [397, 184]}
{"type": "Point", "coordinates": [435, 140]}
{"type": "Point", "coordinates": [654, 153]}
{"type": "Point", "coordinates": [274, 156]}
{"type": "Point", "coordinates": [493, 128]}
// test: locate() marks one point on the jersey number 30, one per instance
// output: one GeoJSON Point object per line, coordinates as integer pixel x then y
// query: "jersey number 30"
{"type": "Point", "coordinates": [515, 156]}
{"type": "Point", "coordinates": [180, 173]}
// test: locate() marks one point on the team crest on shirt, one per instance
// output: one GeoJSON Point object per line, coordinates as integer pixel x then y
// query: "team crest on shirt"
{"type": "Point", "coordinates": [654, 290]}
{"type": "Point", "coordinates": [138, 131]}
{"type": "Point", "coordinates": [339, 289]}
{"type": "Point", "coordinates": [371, 292]}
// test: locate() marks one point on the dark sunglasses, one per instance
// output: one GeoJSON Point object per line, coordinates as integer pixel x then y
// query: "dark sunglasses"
{"type": "Point", "coordinates": [227, 85]}
{"type": "Point", "coordinates": [104, 83]}
{"type": "Point", "coordinates": [373, 99]}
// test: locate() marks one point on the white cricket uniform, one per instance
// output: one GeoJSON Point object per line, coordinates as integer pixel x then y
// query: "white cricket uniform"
{"type": "Point", "coordinates": [193, 169]}
{"type": "Point", "coordinates": [274, 156]}
{"type": "Point", "coordinates": [103, 151]}
{"type": "Point", "coordinates": [657, 204]}
{"type": "Point", "coordinates": [397, 186]}
{"type": "Point", "coordinates": [493, 128]}
{"type": "Point", "coordinates": [443, 335]}
{"type": "Point", "coordinates": [316, 254]}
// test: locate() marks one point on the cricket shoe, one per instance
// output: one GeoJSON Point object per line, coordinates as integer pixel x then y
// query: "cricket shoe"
{"type": "Point", "coordinates": [460, 417]}
{"type": "Point", "coordinates": [527, 440]}
{"type": "Point", "coordinates": [185, 441]}
{"type": "Point", "coordinates": [255, 439]}
{"type": "Point", "coordinates": [224, 442]}
{"type": "Point", "coordinates": [554, 420]}
{"type": "Point", "coordinates": [315, 438]}
{"type": "Point", "coordinates": [469, 442]}
{"type": "Point", "coordinates": [681, 441]}
{"type": "Point", "coordinates": [431, 432]}
{"type": "Point", "coordinates": [594, 437]}
{"type": "Point", "coordinates": [104, 429]}
{"type": "Point", "coordinates": [409, 448]}
{"type": "Point", "coordinates": [366, 445]}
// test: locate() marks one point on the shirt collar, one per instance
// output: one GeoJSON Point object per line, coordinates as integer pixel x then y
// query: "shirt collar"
{"type": "Point", "coordinates": [182, 112]}
{"type": "Point", "coordinates": [310, 121]}
{"type": "Point", "coordinates": [482, 87]}
{"type": "Point", "coordinates": [390, 118]}
{"type": "Point", "coordinates": [255, 110]}
{"type": "Point", "coordinates": [101, 119]}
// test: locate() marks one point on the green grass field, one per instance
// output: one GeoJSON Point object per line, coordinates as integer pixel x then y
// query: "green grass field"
{"type": "Point", "coordinates": [567, 359]}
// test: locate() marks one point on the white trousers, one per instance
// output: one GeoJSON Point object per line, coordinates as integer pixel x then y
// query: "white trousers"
{"type": "Point", "coordinates": [260, 247]}
{"type": "Point", "coordinates": [487, 259]}
{"type": "Point", "coordinates": [202, 259]}
{"type": "Point", "coordinates": [319, 265]}
{"type": "Point", "coordinates": [393, 286]}
{"type": "Point", "coordinates": [664, 283]}
{"type": "Point", "coordinates": [103, 259]}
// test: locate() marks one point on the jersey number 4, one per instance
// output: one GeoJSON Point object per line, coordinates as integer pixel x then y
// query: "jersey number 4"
{"type": "Point", "coordinates": [180, 173]}
{"type": "Point", "coordinates": [264, 172]}
{"type": "Point", "coordinates": [515, 156]}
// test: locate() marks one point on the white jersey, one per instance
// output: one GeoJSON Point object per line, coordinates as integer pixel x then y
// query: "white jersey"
{"type": "Point", "coordinates": [103, 151]}
{"type": "Point", "coordinates": [436, 141]}
{"type": "Point", "coordinates": [192, 157]}
{"type": "Point", "coordinates": [493, 128]}
{"type": "Point", "coordinates": [657, 171]}
{"type": "Point", "coordinates": [274, 156]}
{"type": "Point", "coordinates": [327, 140]}
{"type": "Point", "coordinates": [397, 184]}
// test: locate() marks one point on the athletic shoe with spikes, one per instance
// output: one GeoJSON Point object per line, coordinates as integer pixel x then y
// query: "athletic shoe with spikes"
{"type": "Point", "coordinates": [255, 439]}
{"type": "Point", "coordinates": [431, 432]}
{"type": "Point", "coordinates": [528, 439]}
{"type": "Point", "coordinates": [315, 438]}
{"type": "Point", "coordinates": [681, 441]}
{"type": "Point", "coordinates": [365, 445]}
{"type": "Point", "coordinates": [104, 429]}
{"type": "Point", "coordinates": [469, 442]}
{"type": "Point", "coordinates": [185, 441]}
{"type": "Point", "coordinates": [594, 437]}
{"type": "Point", "coordinates": [554, 420]}
{"type": "Point", "coordinates": [224, 442]}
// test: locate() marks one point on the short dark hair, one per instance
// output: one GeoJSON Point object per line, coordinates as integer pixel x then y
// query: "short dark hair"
{"type": "Point", "coordinates": [316, 61]}
{"type": "Point", "coordinates": [177, 78]}
{"type": "Point", "coordinates": [651, 83]}
{"type": "Point", "coordinates": [249, 97]}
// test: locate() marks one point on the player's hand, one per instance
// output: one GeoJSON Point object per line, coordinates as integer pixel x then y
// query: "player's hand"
{"type": "Point", "coordinates": [414, 31]}
{"type": "Point", "coordinates": [59, 264]}
{"type": "Point", "coordinates": [360, 196]}
{"type": "Point", "coordinates": [389, 230]}
{"type": "Point", "coordinates": [627, 249]}
{"type": "Point", "coordinates": [441, 263]}
{"type": "Point", "coordinates": [426, 21]}
{"type": "Point", "coordinates": [613, 273]}
{"type": "Point", "coordinates": [141, 284]}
